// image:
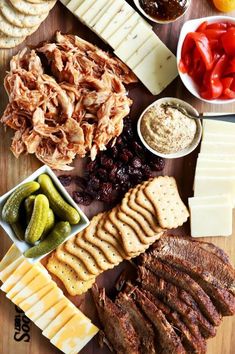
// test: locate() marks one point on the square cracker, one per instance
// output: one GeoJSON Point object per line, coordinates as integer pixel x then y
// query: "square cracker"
{"type": "Point", "coordinates": [163, 194]}
{"type": "Point", "coordinates": [68, 276]}
{"type": "Point", "coordinates": [143, 201]}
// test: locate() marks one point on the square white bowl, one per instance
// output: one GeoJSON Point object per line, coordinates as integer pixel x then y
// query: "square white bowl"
{"type": "Point", "coordinates": [22, 245]}
{"type": "Point", "coordinates": [191, 26]}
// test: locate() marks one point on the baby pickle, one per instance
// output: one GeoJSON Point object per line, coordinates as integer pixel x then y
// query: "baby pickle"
{"type": "Point", "coordinates": [49, 224]}
{"type": "Point", "coordinates": [11, 209]}
{"type": "Point", "coordinates": [38, 219]}
{"type": "Point", "coordinates": [28, 203]}
{"type": "Point", "coordinates": [18, 230]}
{"type": "Point", "coordinates": [60, 207]}
{"type": "Point", "coordinates": [59, 233]}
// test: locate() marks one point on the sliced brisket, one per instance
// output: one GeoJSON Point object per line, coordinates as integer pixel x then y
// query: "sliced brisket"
{"type": "Point", "coordinates": [116, 323]}
{"type": "Point", "coordinates": [183, 281]}
{"type": "Point", "coordinates": [171, 295]}
{"type": "Point", "coordinates": [168, 340]}
{"type": "Point", "coordinates": [143, 327]}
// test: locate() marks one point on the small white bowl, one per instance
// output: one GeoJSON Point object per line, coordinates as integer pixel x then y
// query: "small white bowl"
{"type": "Point", "coordinates": [197, 137]}
{"type": "Point", "coordinates": [22, 245]}
{"type": "Point", "coordinates": [191, 26]}
{"type": "Point", "coordinates": [139, 7]}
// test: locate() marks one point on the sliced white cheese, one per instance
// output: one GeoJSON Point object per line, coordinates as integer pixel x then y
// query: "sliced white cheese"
{"type": "Point", "coordinates": [211, 220]}
{"type": "Point", "coordinates": [216, 157]}
{"type": "Point", "coordinates": [219, 138]}
{"type": "Point", "coordinates": [205, 186]}
{"type": "Point", "coordinates": [218, 127]}
{"type": "Point", "coordinates": [43, 321]}
{"type": "Point", "coordinates": [158, 69]}
{"type": "Point", "coordinates": [210, 200]}
{"type": "Point", "coordinates": [100, 14]}
{"type": "Point", "coordinates": [81, 9]}
{"type": "Point", "coordinates": [12, 254]}
{"type": "Point", "coordinates": [59, 322]}
{"type": "Point", "coordinates": [73, 4]}
{"type": "Point", "coordinates": [30, 301]}
{"type": "Point", "coordinates": [217, 148]}
{"type": "Point", "coordinates": [7, 272]}
{"type": "Point", "coordinates": [201, 163]}
{"type": "Point", "coordinates": [93, 11]}
{"type": "Point", "coordinates": [134, 40]}
{"type": "Point", "coordinates": [16, 275]}
{"type": "Point", "coordinates": [65, 2]}
{"type": "Point", "coordinates": [151, 43]}
{"type": "Point", "coordinates": [215, 172]}
{"type": "Point", "coordinates": [107, 17]}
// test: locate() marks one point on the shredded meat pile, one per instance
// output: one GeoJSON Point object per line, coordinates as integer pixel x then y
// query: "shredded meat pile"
{"type": "Point", "coordinates": [65, 99]}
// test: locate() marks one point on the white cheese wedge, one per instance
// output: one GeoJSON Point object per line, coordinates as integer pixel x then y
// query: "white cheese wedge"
{"type": "Point", "coordinates": [158, 69]}
{"type": "Point", "coordinates": [217, 148]}
{"type": "Point", "coordinates": [40, 281]}
{"type": "Point", "coordinates": [107, 17]}
{"type": "Point", "coordinates": [151, 43]}
{"type": "Point", "coordinates": [48, 301]}
{"type": "Point", "coordinates": [83, 8]}
{"type": "Point", "coordinates": [211, 219]}
{"type": "Point", "coordinates": [218, 127]}
{"type": "Point", "coordinates": [218, 138]}
{"type": "Point", "coordinates": [205, 186]}
{"type": "Point", "coordinates": [133, 41]}
{"type": "Point", "coordinates": [201, 163]}
{"type": "Point", "coordinates": [9, 270]}
{"type": "Point", "coordinates": [93, 11]}
{"type": "Point", "coordinates": [210, 200]}
{"type": "Point", "coordinates": [74, 4]}
{"type": "Point", "coordinates": [217, 157]}
{"type": "Point", "coordinates": [74, 335]}
{"type": "Point", "coordinates": [215, 172]}
{"type": "Point", "coordinates": [30, 301]}
{"type": "Point", "coordinates": [43, 321]}
{"type": "Point", "coordinates": [12, 254]}
{"type": "Point", "coordinates": [100, 14]}
{"type": "Point", "coordinates": [59, 322]}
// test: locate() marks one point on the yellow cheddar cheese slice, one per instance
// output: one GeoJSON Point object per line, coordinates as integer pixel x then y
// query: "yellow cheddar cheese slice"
{"type": "Point", "coordinates": [16, 276]}
{"type": "Point", "coordinates": [31, 288]}
{"type": "Point", "coordinates": [48, 301]}
{"type": "Point", "coordinates": [12, 254]}
{"type": "Point", "coordinates": [9, 270]}
{"type": "Point", "coordinates": [74, 335]}
{"type": "Point", "coordinates": [43, 321]}
{"type": "Point", "coordinates": [29, 302]}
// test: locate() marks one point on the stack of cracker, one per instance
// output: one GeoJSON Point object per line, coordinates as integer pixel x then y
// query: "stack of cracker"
{"type": "Point", "coordinates": [125, 232]}
{"type": "Point", "coordinates": [20, 18]}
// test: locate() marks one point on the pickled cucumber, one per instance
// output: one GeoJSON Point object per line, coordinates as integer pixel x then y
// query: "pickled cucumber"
{"type": "Point", "coordinates": [60, 207]}
{"type": "Point", "coordinates": [49, 224]}
{"type": "Point", "coordinates": [28, 203]}
{"type": "Point", "coordinates": [59, 233]}
{"type": "Point", "coordinates": [18, 230]}
{"type": "Point", "coordinates": [38, 219]}
{"type": "Point", "coordinates": [11, 209]}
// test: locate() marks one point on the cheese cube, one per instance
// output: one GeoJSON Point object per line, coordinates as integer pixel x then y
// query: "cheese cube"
{"type": "Point", "coordinates": [100, 13]}
{"type": "Point", "coordinates": [122, 23]}
{"type": "Point", "coordinates": [60, 321]}
{"type": "Point", "coordinates": [10, 269]}
{"type": "Point", "coordinates": [12, 254]}
{"type": "Point", "coordinates": [43, 321]}
{"type": "Point", "coordinates": [83, 8]}
{"type": "Point", "coordinates": [31, 288]}
{"type": "Point", "coordinates": [205, 186]}
{"type": "Point", "coordinates": [17, 274]}
{"type": "Point", "coordinates": [48, 301]}
{"type": "Point", "coordinates": [93, 11]}
{"type": "Point", "coordinates": [218, 127]}
{"type": "Point", "coordinates": [211, 220]}
{"type": "Point", "coordinates": [29, 302]}
{"type": "Point", "coordinates": [108, 16]}
{"type": "Point", "coordinates": [74, 4]}
{"type": "Point", "coordinates": [218, 138]}
{"type": "Point", "coordinates": [139, 34]}
{"type": "Point", "coordinates": [74, 335]}
{"type": "Point", "coordinates": [201, 163]}
{"type": "Point", "coordinates": [217, 148]}
{"type": "Point", "coordinates": [158, 69]}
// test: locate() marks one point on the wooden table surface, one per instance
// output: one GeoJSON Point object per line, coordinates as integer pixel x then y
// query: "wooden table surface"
{"type": "Point", "coordinates": [16, 335]}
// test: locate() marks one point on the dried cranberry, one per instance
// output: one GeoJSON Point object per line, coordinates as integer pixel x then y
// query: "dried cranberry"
{"type": "Point", "coordinates": [102, 174]}
{"type": "Point", "coordinates": [91, 166]}
{"type": "Point", "coordinates": [136, 162]}
{"type": "Point", "coordinates": [119, 140]}
{"type": "Point", "coordinates": [113, 174]}
{"type": "Point", "coordinates": [106, 161]}
{"type": "Point", "coordinates": [147, 172]}
{"type": "Point", "coordinates": [80, 181]}
{"type": "Point", "coordinates": [136, 176]}
{"type": "Point", "coordinates": [82, 198]}
{"type": "Point", "coordinates": [65, 180]}
{"type": "Point", "coordinates": [158, 164]}
{"type": "Point", "coordinates": [114, 151]}
{"type": "Point", "coordinates": [122, 176]}
{"type": "Point", "coordinates": [93, 184]}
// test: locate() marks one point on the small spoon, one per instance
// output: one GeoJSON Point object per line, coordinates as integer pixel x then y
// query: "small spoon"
{"type": "Point", "coordinates": [210, 115]}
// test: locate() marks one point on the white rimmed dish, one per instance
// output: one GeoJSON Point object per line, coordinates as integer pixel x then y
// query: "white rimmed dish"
{"type": "Point", "coordinates": [153, 19]}
{"type": "Point", "coordinates": [191, 26]}
{"type": "Point", "coordinates": [22, 245]}
{"type": "Point", "coordinates": [191, 110]}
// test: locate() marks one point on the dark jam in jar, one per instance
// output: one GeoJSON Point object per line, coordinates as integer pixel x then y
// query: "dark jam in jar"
{"type": "Point", "coordinates": [164, 10]}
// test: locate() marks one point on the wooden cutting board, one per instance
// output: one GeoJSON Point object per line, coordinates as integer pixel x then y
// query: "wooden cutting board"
{"type": "Point", "coordinates": [19, 336]}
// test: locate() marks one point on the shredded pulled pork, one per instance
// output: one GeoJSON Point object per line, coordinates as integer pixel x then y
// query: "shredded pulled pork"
{"type": "Point", "coordinates": [66, 99]}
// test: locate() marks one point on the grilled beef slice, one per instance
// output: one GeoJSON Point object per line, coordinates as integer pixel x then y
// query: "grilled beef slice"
{"type": "Point", "coordinates": [167, 339]}
{"type": "Point", "coordinates": [183, 281]}
{"type": "Point", "coordinates": [190, 343]}
{"type": "Point", "coordinates": [222, 298]}
{"type": "Point", "coordinates": [193, 253]}
{"type": "Point", "coordinates": [171, 295]}
{"type": "Point", "coordinates": [213, 249]}
{"type": "Point", "coordinates": [116, 324]}
{"type": "Point", "coordinates": [143, 327]}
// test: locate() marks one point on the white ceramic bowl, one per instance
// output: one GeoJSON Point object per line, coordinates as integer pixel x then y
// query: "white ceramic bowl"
{"type": "Point", "coordinates": [191, 26]}
{"type": "Point", "coordinates": [197, 137]}
{"type": "Point", "coordinates": [22, 245]}
{"type": "Point", "coordinates": [137, 4]}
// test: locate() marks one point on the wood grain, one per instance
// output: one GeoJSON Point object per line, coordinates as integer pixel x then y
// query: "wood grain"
{"type": "Point", "coordinates": [12, 171]}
